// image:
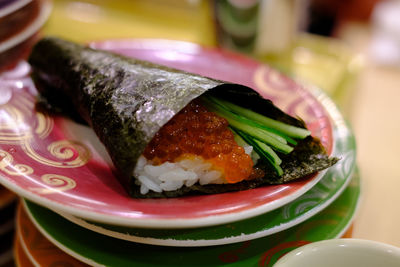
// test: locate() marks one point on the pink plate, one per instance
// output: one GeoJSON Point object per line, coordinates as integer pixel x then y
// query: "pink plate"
{"type": "Point", "coordinates": [61, 165]}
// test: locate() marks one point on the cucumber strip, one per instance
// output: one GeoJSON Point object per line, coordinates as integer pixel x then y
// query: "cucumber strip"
{"type": "Point", "coordinates": [245, 126]}
{"type": "Point", "coordinates": [289, 130]}
{"type": "Point", "coordinates": [265, 137]}
{"type": "Point", "coordinates": [275, 133]}
{"type": "Point", "coordinates": [264, 151]}
{"type": "Point", "coordinates": [238, 139]}
{"type": "Point", "coordinates": [270, 151]}
{"type": "Point", "coordinates": [271, 158]}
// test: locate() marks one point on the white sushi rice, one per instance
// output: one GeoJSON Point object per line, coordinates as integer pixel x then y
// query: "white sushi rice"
{"type": "Point", "coordinates": [172, 176]}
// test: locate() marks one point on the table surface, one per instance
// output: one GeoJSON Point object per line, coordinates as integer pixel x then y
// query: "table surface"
{"type": "Point", "coordinates": [372, 107]}
{"type": "Point", "coordinates": [374, 117]}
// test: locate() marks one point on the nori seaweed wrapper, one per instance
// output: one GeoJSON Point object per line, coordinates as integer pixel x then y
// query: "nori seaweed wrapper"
{"type": "Point", "coordinates": [126, 102]}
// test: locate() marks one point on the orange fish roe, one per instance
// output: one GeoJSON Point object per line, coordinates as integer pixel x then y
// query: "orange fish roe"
{"type": "Point", "coordinates": [194, 130]}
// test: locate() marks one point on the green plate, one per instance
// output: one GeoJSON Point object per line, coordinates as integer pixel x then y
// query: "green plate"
{"type": "Point", "coordinates": [312, 202]}
{"type": "Point", "coordinates": [97, 249]}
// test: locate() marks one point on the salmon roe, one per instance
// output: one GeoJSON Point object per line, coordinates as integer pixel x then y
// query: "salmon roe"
{"type": "Point", "coordinates": [196, 131]}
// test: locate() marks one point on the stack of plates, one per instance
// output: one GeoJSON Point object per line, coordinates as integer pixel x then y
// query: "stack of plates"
{"type": "Point", "coordinates": [73, 201]}
{"type": "Point", "coordinates": [20, 21]}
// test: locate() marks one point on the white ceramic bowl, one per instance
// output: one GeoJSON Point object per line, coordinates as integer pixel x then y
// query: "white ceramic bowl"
{"type": "Point", "coordinates": [344, 253]}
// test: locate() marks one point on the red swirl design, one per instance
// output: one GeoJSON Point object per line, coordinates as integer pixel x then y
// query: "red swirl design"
{"type": "Point", "coordinates": [266, 258]}
{"type": "Point", "coordinates": [233, 255]}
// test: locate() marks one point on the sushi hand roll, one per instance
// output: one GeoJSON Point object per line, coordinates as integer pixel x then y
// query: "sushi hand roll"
{"type": "Point", "coordinates": [171, 133]}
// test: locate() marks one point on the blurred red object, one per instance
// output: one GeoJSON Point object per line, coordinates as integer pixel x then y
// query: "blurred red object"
{"type": "Point", "coordinates": [348, 9]}
{"type": "Point", "coordinates": [10, 58]}
{"type": "Point", "coordinates": [19, 29]}
{"type": "Point", "coordinates": [326, 16]}
{"type": "Point", "coordinates": [15, 22]}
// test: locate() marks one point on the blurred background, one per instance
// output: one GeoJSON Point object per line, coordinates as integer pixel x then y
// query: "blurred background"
{"type": "Point", "coordinates": [348, 48]}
